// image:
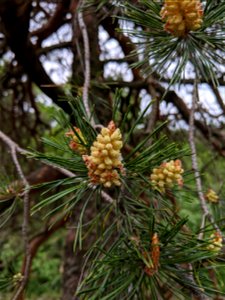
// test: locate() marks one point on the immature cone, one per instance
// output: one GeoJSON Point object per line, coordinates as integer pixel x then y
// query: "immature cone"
{"type": "Point", "coordinates": [155, 255]}
{"type": "Point", "coordinates": [105, 160]}
{"type": "Point", "coordinates": [211, 196]}
{"type": "Point", "coordinates": [182, 16]}
{"type": "Point", "coordinates": [17, 278]}
{"type": "Point", "coordinates": [75, 142]}
{"type": "Point", "coordinates": [216, 242]}
{"type": "Point", "coordinates": [166, 175]}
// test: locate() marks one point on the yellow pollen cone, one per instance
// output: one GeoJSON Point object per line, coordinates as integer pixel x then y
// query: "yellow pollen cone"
{"type": "Point", "coordinates": [104, 161]}
{"type": "Point", "coordinates": [167, 175]}
{"type": "Point", "coordinates": [181, 16]}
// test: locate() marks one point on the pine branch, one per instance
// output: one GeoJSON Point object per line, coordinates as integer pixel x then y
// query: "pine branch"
{"type": "Point", "coordinates": [14, 148]}
{"type": "Point", "coordinates": [87, 72]}
{"type": "Point", "coordinates": [12, 145]}
{"type": "Point", "coordinates": [54, 22]}
{"type": "Point", "coordinates": [191, 285]}
{"type": "Point", "coordinates": [203, 204]}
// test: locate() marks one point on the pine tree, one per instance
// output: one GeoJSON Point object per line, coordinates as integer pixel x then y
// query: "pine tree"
{"type": "Point", "coordinates": [143, 247]}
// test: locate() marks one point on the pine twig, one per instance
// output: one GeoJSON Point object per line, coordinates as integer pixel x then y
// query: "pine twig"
{"type": "Point", "coordinates": [11, 144]}
{"type": "Point", "coordinates": [87, 67]}
{"type": "Point", "coordinates": [190, 284]}
{"type": "Point", "coordinates": [14, 148]}
{"type": "Point", "coordinates": [106, 197]}
{"type": "Point", "coordinates": [203, 204]}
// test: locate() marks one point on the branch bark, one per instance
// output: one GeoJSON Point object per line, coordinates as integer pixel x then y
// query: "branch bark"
{"type": "Point", "coordinates": [15, 17]}
{"type": "Point", "coordinates": [54, 23]}
{"type": "Point", "coordinates": [212, 135]}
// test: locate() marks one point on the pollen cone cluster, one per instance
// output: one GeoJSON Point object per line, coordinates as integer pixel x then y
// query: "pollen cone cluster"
{"type": "Point", "coordinates": [18, 277]}
{"type": "Point", "coordinates": [166, 175]}
{"type": "Point", "coordinates": [211, 196]}
{"type": "Point", "coordinates": [75, 142]}
{"type": "Point", "coordinates": [104, 162]}
{"type": "Point", "coordinates": [216, 242]}
{"type": "Point", "coordinates": [182, 16]}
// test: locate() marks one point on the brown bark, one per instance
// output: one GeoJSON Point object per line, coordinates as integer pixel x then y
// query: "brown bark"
{"type": "Point", "coordinates": [15, 17]}
{"type": "Point", "coordinates": [214, 136]}
{"type": "Point", "coordinates": [54, 23]}
{"type": "Point", "coordinates": [126, 44]}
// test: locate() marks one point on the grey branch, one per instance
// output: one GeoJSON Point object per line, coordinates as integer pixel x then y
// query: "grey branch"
{"type": "Point", "coordinates": [203, 204]}
{"type": "Point", "coordinates": [14, 148]}
{"type": "Point", "coordinates": [87, 68]}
